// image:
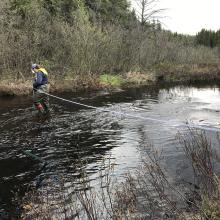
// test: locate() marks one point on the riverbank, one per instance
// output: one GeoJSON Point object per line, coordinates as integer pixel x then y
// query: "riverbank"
{"type": "Point", "coordinates": [160, 73]}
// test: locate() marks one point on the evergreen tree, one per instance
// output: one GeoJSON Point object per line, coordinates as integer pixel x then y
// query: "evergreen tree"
{"type": "Point", "coordinates": [208, 38]}
{"type": "Point", "coordinates": [62, 9]}
{"type": "Point", "coordinates": [100, 11]}
{"type": "Point", "coordinates": [109, 11]}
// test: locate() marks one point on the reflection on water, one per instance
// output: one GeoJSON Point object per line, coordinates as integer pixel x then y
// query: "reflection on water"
{"type": "Point", "coordinates": [78, 137]}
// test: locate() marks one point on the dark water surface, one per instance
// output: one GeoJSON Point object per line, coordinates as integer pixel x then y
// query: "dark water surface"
{"type": "Point", "coordinates": [76, 136]}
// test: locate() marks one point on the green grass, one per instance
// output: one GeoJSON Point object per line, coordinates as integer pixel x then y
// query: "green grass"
{"type": "Point", "coordinates": [112, 80]}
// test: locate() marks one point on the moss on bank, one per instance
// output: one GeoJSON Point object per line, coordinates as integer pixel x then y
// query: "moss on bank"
{"type": "Point", "coordinates": [111, 80]}
{"type": "Point", "coordinates": [165, 73]}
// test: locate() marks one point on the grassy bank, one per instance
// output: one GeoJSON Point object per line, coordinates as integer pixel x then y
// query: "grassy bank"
{"type": "Point", "coordinates": [165, 73]}
{"type": "Point", "coordinates": [188, 73]}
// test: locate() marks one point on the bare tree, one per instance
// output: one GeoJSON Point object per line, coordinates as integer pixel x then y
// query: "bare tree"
{"type": "Point", "coordinates": [147, 10]}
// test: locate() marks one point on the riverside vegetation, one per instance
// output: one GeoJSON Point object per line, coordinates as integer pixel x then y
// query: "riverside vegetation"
{"type": "Point", "coordinates": [149, 193]}
{"type": "Point", "coordinates": [77, 41]}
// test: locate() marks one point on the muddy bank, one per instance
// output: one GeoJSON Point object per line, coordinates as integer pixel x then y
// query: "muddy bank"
{"type": "Point", "coordinates": [186, 73]}
{"type": "Point", "coordinates": [159, 74]}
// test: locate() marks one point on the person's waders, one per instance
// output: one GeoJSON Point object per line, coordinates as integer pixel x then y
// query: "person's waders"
{"type": "Point", "coordinates": [41, 100]}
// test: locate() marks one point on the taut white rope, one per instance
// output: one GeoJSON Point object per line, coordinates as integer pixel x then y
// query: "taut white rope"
{"type": "Point", "coordinates": [135, 116]}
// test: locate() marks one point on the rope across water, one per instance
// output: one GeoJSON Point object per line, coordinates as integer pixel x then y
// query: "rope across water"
{"type": "Point", "coordinates": [188, 125]}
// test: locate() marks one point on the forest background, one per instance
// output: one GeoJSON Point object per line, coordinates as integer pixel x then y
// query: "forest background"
{"type": "Point", "coordinates": [79, 39]}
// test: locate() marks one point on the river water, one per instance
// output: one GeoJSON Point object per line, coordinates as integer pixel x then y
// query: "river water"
{"type": "Point", "coordinates": [78, 136]}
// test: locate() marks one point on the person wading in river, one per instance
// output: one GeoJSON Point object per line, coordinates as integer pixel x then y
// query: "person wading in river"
{"type": "Point", "coordinates": [40, 85]}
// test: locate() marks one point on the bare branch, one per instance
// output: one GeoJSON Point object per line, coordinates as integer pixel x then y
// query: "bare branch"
{"type": "Point", "coordinates": [147, 10]}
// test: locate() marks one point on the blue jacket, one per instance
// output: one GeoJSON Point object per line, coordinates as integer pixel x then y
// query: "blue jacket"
{"type": "Point", "coordinates": [40, 79]}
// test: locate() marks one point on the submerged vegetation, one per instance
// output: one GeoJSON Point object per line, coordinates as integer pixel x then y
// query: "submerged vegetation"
{"type": "Point", "coordinates": [83, 39]}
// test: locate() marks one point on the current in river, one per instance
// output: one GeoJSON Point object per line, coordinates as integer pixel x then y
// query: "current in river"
{"type": "Point", "coordinates": [76, 136]}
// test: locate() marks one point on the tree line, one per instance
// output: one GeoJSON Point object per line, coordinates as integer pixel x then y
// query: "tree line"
{"type": "Point", "coordinates": [71, 37]}
{"type": "Point", "coordinates": [208, 38]}
{"type": "Point", "coordinates": [99, 11]}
